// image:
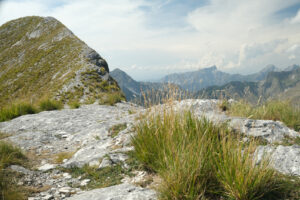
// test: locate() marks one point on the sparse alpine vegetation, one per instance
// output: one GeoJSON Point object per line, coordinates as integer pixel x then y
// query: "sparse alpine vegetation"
{"type": "Point", "coordinates": [9, 155]}
{"type": "Point", "coordinates": [271, 110]}
{"type": "Point", "coordinates": [199, 160]}
{"type": "Point", "coordinates": [18, 109]}
{"type": "Point", "coordinates": [40, 57]}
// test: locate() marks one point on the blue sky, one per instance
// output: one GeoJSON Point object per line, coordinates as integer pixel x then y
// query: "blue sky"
{"type": "Point", "coordinates": [151, 38]}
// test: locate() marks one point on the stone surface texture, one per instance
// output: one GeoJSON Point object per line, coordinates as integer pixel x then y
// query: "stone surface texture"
{"type": "Point", "coordinates": [85, 132]}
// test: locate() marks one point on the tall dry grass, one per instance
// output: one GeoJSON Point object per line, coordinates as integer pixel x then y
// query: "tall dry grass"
{"type": "Point", "coordinates": [197, 159]}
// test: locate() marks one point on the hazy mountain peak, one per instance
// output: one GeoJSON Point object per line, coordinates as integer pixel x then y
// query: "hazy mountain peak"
{"type": "Point", "coordinates": [291, 67]}
{"type": "Point", "coordinates": [269, 68]}
{"type": "Point", "coordinates": [212, 68]}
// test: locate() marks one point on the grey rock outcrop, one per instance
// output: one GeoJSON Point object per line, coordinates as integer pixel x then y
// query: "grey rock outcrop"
{"type": "Point", "coordinates": [285, 159]}
{"type": "Point", "coordinates": [85, 133]}
{"type": "Point", "coordinates": [123, 191]}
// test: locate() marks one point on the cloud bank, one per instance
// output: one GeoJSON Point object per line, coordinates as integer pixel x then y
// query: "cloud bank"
{"type": "Point", "coordinates": [148, 39]}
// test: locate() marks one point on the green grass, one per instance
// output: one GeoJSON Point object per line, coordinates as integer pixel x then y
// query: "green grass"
{"type": "Point", "coordinates": [9, 155]}
{"type": "Point", "coordinates": [271, 110]}
{"type": "Point", "coordinates": [115, 130]}
{"type": "Point", "coordinates": [59, 157]}
{"type": "Point", "coordinates": [199, 160]}
{"type": "Point", "coordinates": [4, 135]}
{"type": "Point", "coordinates": [242, 179]}
{"type": "Point", "coordinates": [74, 104]}
{"type": "Point", "coordinates": [100, 178]}
{"type": "Point", "coordinates": [16, 110]}
{"type": "Point", "coordinates": [112, 98]}
{"type": "Point", "coordinates": [23, 108]}
{"type": "Point", "coordinates": [49, 104]}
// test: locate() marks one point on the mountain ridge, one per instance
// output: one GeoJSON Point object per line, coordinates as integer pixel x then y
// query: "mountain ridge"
{"type": "Point", "coordinates": [282, 85]}
{"type": "Point", "coordinates": [40, 57]}
{"type": "Point", "coordinates": [202, 78]}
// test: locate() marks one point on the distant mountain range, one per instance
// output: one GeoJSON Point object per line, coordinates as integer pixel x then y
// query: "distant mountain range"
{"type": "Point", "coordinates": [270, 82]}
{"type": "Point", "coordinates": [135, 90]}
{"type": "Point", "coordinates": [203, 78]}
{"type": "Point", "coordinates": [277, 85]}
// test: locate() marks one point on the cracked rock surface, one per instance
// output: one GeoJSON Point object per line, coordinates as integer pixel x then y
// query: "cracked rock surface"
{"type": "Point", "coordinates": [86, 134]}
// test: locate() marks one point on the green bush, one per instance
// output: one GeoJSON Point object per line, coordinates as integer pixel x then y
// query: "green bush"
{"type": "Point", "coordinates": [16, 110]}
{"type": "Point", "coordinates": [48, 104]}
{"type": "Point", "coordinates": [199, 160]}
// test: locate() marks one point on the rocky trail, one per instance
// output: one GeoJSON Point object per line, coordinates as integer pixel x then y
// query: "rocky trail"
{"type": "Point", "coordinates": [99, 136]}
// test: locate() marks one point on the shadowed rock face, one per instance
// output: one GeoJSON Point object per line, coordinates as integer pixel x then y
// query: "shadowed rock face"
{"type": "Point", "coordinates": [87, 133]}
{"type": "Point", "coordinates": [96, 59]}
{"type": "Point", "coordinates": [39, 57]}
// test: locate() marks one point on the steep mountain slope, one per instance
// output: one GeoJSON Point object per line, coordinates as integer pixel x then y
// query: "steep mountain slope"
{"type": "Point", "coordinates": [277, 85]}
{"type": "Point", "coordinates": [134, 90]}
{"type": "Point", "coordinates": [130, 87]}
{"type": "Point", "coordinates": [202, 78]}
{"type": "Point", "coordinates": [40, 57]}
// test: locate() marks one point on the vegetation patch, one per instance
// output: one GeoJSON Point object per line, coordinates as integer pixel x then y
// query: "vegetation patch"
{"type": "Point", "coordinates": [288, 141]}
{"type": "Point", "coordinates": [100, 178]}
{"type": "Point", "coordinates": [4, 135]}
{"type": "Point", "coordinates": [49, 104]}
{"type": "Point", "coordinates": [9, 155]}
{"type": "Point", "coordinates": [60, 157]}
{"type": "Point", "coordinates": [74, 104]}
{"type": "Point", "coordinates": [199, 160]}
{"type": "Point", "coordinates": [112, 98]}
{"type": "Point", "coordinates": [16, 110]}
{"type": "Point", "coordinates": [271, 110]}
{"type": "Point", "coordinates": [116, 129]}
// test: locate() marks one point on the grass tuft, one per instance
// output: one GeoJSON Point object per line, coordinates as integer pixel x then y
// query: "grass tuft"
{"type": "Point", "coordinates": [115, 130]}
{"type": "Point", "coordinates": [48, 105]}
{"type": "Point", "coordinates": [199, 160]}
{"type": "Point", "coordinates": [271, 110]}
{"type": "Point", "coordinates": [59, 158]}
{"type": "Point", "coordinates": [74, 104]}
{"type": "Point", "coordinates": [16, 110]}
{"type": "Point", "coordinates": [9, 155]}
{"type": "Point", "coordinates": [112, 98]}
{"type": "Point", "coordinates": [240, 176]}
{"type": "Point", "coordinates": [100, 178]}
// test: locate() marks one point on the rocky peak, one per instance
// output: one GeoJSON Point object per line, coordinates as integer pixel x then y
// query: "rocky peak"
{"type": "Point", "coordinates": [38, 50]}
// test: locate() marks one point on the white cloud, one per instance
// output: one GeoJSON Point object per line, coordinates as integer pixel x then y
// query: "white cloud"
{"type": "Point", "coordinates": [296, 19]}
{"type": "Point", "coordinates": [226, 33]}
